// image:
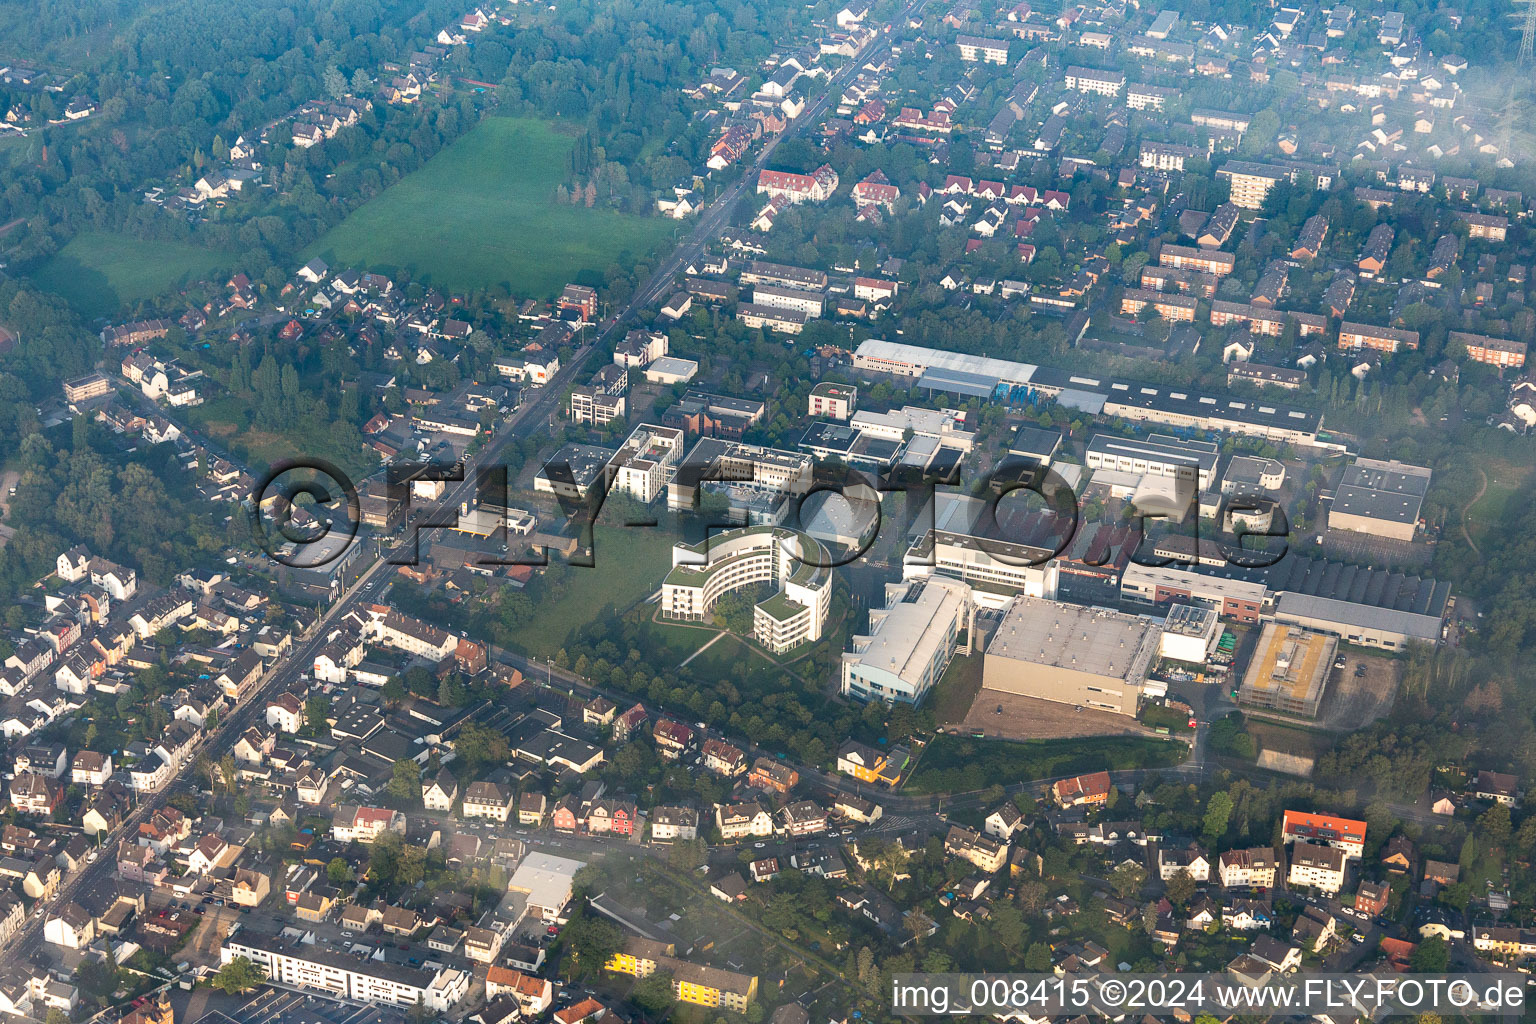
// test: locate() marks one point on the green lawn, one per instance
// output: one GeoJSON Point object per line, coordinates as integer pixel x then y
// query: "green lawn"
{"type": "Point", "coordinates": [98, 273]}
{"type": "Point", "coordinates": [628, 567]}
{"type": "Point", "coordinates": [957, 690]}
{"type": "Point", "coordinates": [483, 213]}
{"type": "Point", "coordinates": [728, 656]}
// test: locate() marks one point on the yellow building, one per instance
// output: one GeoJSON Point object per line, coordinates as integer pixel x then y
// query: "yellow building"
{"type": "Point", "coordinates": [711, 986]}
{"type": "Point", "coordinates": [691, 983]}
{"type": "Point", "coordinates": [639, 957]}
{"type": "Point", "coordinates": [865, 763]}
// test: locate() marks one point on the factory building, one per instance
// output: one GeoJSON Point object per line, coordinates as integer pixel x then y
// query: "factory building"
{"type": "Point", "coordinates": [1088, 657]}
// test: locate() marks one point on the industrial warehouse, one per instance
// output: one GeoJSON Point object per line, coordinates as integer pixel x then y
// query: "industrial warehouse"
{"type": "Point", "coordinates": [1003, 380]}
{"type": "Point", "coordinates": [1087, 657]}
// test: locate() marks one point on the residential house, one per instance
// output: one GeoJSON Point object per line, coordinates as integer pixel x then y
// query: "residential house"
{"type": "Point", "coordinates": [353, 823]}
{"type": "Point", "coordinates": [986, 853]}
{"type": "Point", "coordinates": [440, 794]}
{"type": "Point", "coordinates": [1254, 868]}
{"type": "Point", "coordinates": [531, 808]}
{"type": "Point", "coordinates": [1321, 867]}
{"type": "Point", "coordinates": [672, 823]}
{"type": "Point", "coordinates": [1190, 860]}
{"type": "Point", "coordinates": [488, 800]}
{"type": "Point", "coordinates": [772, 775]}
{"type": "Point", "coordinates": [1003, 822]}
{"type": "Point", "coordinates": [1083, 790]}
{"type": "Point", "coordinates": [738, 821]}
{"type": "Point", "coordinates": [723, 758]}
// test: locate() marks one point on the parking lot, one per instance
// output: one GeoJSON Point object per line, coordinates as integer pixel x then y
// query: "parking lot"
{"type": "Point", "coordinates": [1360, 691]}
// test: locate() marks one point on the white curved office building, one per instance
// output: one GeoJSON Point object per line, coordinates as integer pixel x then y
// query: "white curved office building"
{"type": "Point", "coordinates": [792, 561]}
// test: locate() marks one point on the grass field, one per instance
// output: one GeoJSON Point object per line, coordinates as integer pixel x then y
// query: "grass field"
{"type": "Point", "coordinates": [1487, 513]}
{"type": "Point", "coordinates": [628, 566]}
{"type": "Point", "coordinates": [98, 273]}
{"type": "Point", "coordinates": [483, 213]}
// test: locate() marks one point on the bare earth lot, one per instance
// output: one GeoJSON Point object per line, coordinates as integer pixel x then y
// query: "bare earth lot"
{"type": "Point", "coordinates": [1030, 718]}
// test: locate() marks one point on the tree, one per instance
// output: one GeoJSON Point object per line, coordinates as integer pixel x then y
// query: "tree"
{"type": "Point", "coordinates": [335, 84]}
{"type": "Point", "coordinates": [1432, 956]}
{"type": "Point", "coordinates": [338, 871]}
{"type": "Point", "coordinates": [229, 772]}
{"type": "Point", "coordinates": [653, 993]}
{"type": "Point", "coordinates": [207, 768]}
{"type": "Point", "coordinates": [1127, 880]}
{"type": "Point", "coordinates": [1181, 888]}
{"type": "Point", "coordinates": [1217, 812]}
{"type": "Point", "coordinates": [480, 745]}
{"type": "Point", "coordinates": [688, 854]}
{"type": "Point", "coordinates": [384, 858]}
{"type": "Point", "coordinates": [98, 979]}
{"type": "Point", "coordinates": [361, 83]}
{"type": "Point", "coordinates": [1038, 957]}
{"type": "Point", "coordinates": [868, 973]}
{"type": "Point", "coordinates": [1525, 839]}
{"type": "Point", "coordinates": [393, 692]}
{"type": "Point", "coordinates": [917, 924]}
{"type": "Point", "coordinates": [413, 866]}
{"type": "Point", "coordinates": [1008, 927]}
{"type": "Point", "coordinates": [1033, 896]}
{"type": "Point", "coordinates": [316, 710]}
{"type": "Point", "coordinates": [238, 976]}
{"type": "Point", "coordinates": [888, 862]}
{"type": "Point", "coordinates": [1494, 826]}
{"type": "Point", "coordinates": [405, 782]}
{"type": "Point", "coordinates": [591, 942]}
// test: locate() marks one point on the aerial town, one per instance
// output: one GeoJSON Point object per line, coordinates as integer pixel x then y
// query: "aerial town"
{"type": "Point", "coordinates": [910, 486]}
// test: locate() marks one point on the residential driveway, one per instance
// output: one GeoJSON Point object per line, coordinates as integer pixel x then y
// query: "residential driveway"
{"type": "Point", "coordinates": [8, 479]}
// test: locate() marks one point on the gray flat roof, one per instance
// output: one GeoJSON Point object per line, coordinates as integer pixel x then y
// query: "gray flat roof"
{"type": "Point", "coordinates": [1348, 583]}
{"type": "Point", "coordinates": [1093, 640]}
{"type": "Point", "coordinates": [933, 358]}
{"type": "Point", "coordinates": [968, 374]}
{"type": "Point", "coordinates": [1390, 491]}
{"type": "Point", "coordinates": [1035, 442]}
{"type": "Point", "coordinates": [1159, 448]}
{"type": "Point", "coordinates": [1348, 613]}
{"type": "Point", "coordinates": [958, 382]}
{"type": "Point", "coordinates": [1188, 619]}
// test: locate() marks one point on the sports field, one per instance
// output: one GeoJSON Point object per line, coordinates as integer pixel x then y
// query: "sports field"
{"type": "Point", "coordinates": [97, 273]}
{"type": "Point", "coordinates": [483, 213]}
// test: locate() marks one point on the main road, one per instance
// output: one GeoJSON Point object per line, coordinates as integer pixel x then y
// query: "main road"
{"type": "Point", "coordinates": [372, 584]}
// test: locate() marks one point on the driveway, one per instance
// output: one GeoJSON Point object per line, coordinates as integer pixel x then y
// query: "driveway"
{"type": "Point", "coordinates": [8, 479]}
